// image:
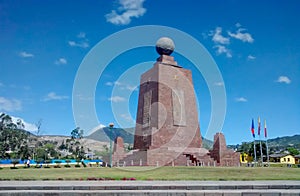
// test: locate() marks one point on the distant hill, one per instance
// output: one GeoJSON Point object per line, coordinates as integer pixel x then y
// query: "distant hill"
{"type": "Point", "coordinates": [279, 143]}
{"type": "Point", "coordinates": [208, 144]}
{"type": "Point", "coordinates": [103, 134]}
{"type": "Point", "coordinates": [285, 141]}
{"type": "Point", "coordinates": [127, 134]}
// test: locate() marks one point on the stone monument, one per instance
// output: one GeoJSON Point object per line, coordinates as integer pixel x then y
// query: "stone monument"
{"type": "Point", "coordinates": [167, 129]}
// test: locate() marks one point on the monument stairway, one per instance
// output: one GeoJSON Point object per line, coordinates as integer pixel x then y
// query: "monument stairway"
{"type": "Point", "coordinates": [198, 159]}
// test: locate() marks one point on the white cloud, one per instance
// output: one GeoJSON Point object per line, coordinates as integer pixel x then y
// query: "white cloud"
{"type": "Point", "coordinates": [127, 117]}
{"type": "Point", "coordinates": [245, 37]}
{"type": "Point", "coordinates": [127, 10]}
{"type": "Point", "coordinates": [81, 35]}
{"type": "Point", "coordinates": [109, 83]}
{"type": "Point", "coordinates": [117, 99]}
{"type": "Point", "coordinates": [53, 96]}
{"type": "Point", "coordinates": [27, 126]}
{"type": "Point", "coordinates": [113, 83]}
{"type": "Point", "coordinates": [81, 41]}
{"type": "Point", "coordinates": [25, 54]}
{"type": "Point", "coordinates": [84, 98]}
{"type": "Point", "coordinates": [222, 42]}
{"type": "Point", "coordinates": [131, 88]}
{"type": "Point", "coordinates": [251, 57]}
{"type": "Point", "coordinates": [30, 127]}
{"type": "Point", "coordinates": [10, 105]}
{"type": "Point", "coordinates": [219, 84]}
{"type": "Point", "coordinates": [241, 99]}
{"type": "Point", "coordinates": [118, 83]}
{"type": "Point", "coordinates": [223, 50]}
{"type": "Point", "coordinates": [61, 61]}
{"type": "Point", "coordinates": [218, 38]}
{"type": "Point", "coordinates": [238, 25]}
{"type": "Point", "coordinates": [283, 79]}
{"type": "Point", "coordinates": [122, 86]}
{"type": "Point", "coordinates": [81, 44]}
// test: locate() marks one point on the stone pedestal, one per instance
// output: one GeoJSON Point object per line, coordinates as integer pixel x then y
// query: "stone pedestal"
{"type": "Point", "coordinates": [220, 153]}
{"type": "Point", "coordinates": [119, 151]}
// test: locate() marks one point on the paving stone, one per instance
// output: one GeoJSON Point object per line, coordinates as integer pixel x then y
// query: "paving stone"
{"type": "Point", "coordinates": [232, 194]}
{"type": "Point", "coordinates": [271, 193]}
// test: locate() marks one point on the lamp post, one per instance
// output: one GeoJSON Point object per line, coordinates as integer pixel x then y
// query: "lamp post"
{"type": "Point", "coordinates": [111, 126]}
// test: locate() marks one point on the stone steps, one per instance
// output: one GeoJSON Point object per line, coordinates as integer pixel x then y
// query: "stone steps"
{"type": "Point", "coordinates": [241, 188]}
{"type": "Point", "coordinates": [152, 192]}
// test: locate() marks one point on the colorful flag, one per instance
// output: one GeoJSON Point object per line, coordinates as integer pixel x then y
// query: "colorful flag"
{"type": "Point", "coordinates": [252, 129]}
{"type": "Point", "coordinates": [265, 129]}
{"type": "Point", "coordinates": [258, 128]}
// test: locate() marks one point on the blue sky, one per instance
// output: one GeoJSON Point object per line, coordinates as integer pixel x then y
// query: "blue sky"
{"type": "Point", "coordinates": [255, 44]}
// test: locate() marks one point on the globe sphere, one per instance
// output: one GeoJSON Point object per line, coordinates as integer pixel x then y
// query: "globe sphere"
{"type": "Point", "coordinates": [165, 46]}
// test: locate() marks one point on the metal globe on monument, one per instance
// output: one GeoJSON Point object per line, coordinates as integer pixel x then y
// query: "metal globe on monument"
{"type": "Point", "coordinates": [165, 46]}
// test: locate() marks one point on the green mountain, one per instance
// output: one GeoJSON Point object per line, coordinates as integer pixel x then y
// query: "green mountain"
{"type": "Point", "coordinates": [275, 144]}
{"type": "Point", "coordinates": [208, 144]}
{"type": "Point", "coordinates": [103, 135]}
{"type": "Point", "coordinates": [286, 141]}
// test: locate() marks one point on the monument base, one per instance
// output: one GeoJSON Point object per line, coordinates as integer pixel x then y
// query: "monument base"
{"type": "Point", "coordinates": [172, 156]}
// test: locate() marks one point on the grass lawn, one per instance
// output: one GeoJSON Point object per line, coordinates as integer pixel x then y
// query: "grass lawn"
{"type": "Point", "coordinates": [148, 173]}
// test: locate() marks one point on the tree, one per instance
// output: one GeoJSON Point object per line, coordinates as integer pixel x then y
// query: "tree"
{"type": "Point", "coordinates": [12, 138]}
{"type": "Point", "coordinates": [245, 147]}
{"type": "Point", "coordinates": [15, 162]}
{"type": "Point", "coordinates": [62, 146]}
{"type": "Point", "coordinates": [77, 133]}
{"type": "Point", "coordinates": [20, 124]}
{"type": "Point", "coordinates": [6, 122]}
{"type": "Point", "coordinates": [38, 125]}
{"type": "Point", "coordinates": [293, 151]}
{"type": "Point", "coordinates": [257, 148]}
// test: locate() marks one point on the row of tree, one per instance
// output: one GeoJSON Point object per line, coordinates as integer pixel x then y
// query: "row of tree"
{"type": "Point", "coordinates": [13, 138]}
{"type": "Point", "coordinates": [16, 143]}
{"type": "Point", "coordinates": [248, 147]}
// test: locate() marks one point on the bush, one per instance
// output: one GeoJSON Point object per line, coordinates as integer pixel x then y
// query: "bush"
{"type": "Point", "coordinates": [15, 162]}
{"type": "Point", "coordinates": [57, 164]}
{"type": "Point", "coordinates": [68, 166]}
{"type": "Point", "coordinates": [77, 165]}
{"type": "Point", "coordinates": [92, 178]}
{"type": "Point", "coordinates": [47, 162]}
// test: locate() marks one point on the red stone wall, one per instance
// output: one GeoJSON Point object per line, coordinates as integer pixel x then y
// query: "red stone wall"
{"type": "Point", "coordinates": [163, 80]}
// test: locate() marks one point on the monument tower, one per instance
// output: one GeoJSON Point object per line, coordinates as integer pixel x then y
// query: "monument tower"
{"type": "Point", "coordinates": [167, 112]}
{"type": "Point", "coordinates": [167, 130]}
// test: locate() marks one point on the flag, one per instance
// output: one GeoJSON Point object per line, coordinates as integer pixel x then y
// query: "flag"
{"type": "Point", "coordinates": [252, 129]}
{"type": "Point", "coordinates": [265, 129]}
{"type": "Point", "coordinates": [258, 128]}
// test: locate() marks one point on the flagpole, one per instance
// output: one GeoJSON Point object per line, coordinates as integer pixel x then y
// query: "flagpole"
{"type": "Point", "coordinates": [261, 152]}
{"type": "Point", "coordinates": [267, 152]}
{"type": "Point", "coordinates": [253, 134]}
{"type": "Point", "coordinates": [265, 129]}
{"type": "Point", "coordinates": [254, 152]}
